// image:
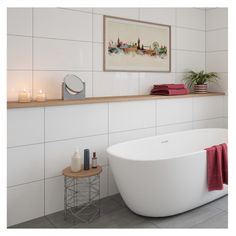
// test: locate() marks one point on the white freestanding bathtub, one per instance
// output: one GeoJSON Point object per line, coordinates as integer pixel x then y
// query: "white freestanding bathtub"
{"type": "Point", "coordinates": [165, 175]}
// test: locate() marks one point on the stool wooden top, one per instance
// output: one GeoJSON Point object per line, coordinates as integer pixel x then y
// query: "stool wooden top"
{"type": "Point", "coordinates": [82, 173]}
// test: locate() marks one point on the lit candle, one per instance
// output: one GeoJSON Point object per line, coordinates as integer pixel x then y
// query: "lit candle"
{"type": "Point", "coordinates": [41, 97]}
{"type": "Point", "coordinates": [24, 96]}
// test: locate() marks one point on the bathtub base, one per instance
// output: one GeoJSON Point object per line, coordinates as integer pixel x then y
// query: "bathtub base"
{"type": "Point", "coordinates": [172, 213]}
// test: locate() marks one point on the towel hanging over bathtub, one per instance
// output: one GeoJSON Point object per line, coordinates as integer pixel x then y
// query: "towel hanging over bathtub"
{"type": "Point", "coordinates": [217, 167]}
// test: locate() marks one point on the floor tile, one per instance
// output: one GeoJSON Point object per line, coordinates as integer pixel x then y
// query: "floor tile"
{"type": "Point", "coordinates": [57, 219]}
{"type": "Point", "coordinates": [143, 225]}
{"type": "Point", "coordinates": [221, 203]}
{"type": "Point", "coordinates": [218, 221]}
{"type": "Point", "coordinates": [41, 222]}
{"type": "Point", "coordinates": [115, 214]}
{"type": "Point", "coordinates": [187, 219]}
{"type": "Point", "coordinates": [116, 219]}
{"type": "Point", "coordinates": [119, 200]}
{"type": "Point", "coordinates": [108, 205]}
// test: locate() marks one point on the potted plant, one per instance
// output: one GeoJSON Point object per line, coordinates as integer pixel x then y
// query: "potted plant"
{"type": "Point", "coordinates": [200, 80]}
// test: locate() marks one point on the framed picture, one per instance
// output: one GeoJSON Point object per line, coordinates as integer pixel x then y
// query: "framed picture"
{"type": "Point", "coordinates": [131, 45]}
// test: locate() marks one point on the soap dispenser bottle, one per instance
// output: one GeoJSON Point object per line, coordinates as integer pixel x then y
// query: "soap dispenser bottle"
{"type": "Point", "coordinates": [76, 161]}
{"type": "Point", "coordinates": [86, 159]}
{"type": "Point", "coordinates": [94, 160]}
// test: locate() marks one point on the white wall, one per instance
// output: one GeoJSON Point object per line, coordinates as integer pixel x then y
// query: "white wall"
{"type": "Point", "coordinates": [41, 142]}
{"type": "Point", "coordinates": [46, 44]}
{"type": "Point", "coordinates": [217, 50]}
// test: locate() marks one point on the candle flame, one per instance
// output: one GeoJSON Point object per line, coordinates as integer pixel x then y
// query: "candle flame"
{"type": "Point", "coordinates": [40, 91]}
{"type": "Point", "coordinates": [24, 90]}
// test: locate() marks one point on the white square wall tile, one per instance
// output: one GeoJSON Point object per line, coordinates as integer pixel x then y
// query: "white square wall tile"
{"type": "Point", "coordinates": [225, 122]}
{"type": "Point", "coordinates": [211, 123]}
{"type": "Point", "coordinates": [115, 84]}
{"type": "Point", "coordinates": [216, 18]}
{"type": "Point", "coordinates": [62, 24]}
{"type": "Point", "coordinates": [97, 57]}
{"type": "Point", "coordinates": [158, 15]}
{"type": "Point", "coordinates": [19, 53]}
{"type": "Point", "coordinates": [25, 164]}
{"type": "Point", "coordinates": [207, 107]}
{"type": "Point", "coordinates": [17, 81]}
{"type": "Point", "coordinates": [54, 192]}
{"type": "Point", "coordinates": [97, 28]}
{"type": "Point", "coordinates": [190, 18]}
{"type": "Point", "coordinates": [75, 121]}
{"type": "Point", "coordinates": [171, 111]}
{"type": "Point", "coordinates": [19, 21]}
{"type": "Point", "coordinates": [58, 154]}
{"type": "Point", "coordinates": [131, 115]}
{"type": "Point", "coordinates": [225, 106]}
{"type": "Point", "coordinates": [147, 80]}
{"type": "Point", "coordinates": [54, 195]}
{"type": "Point", "coordinates": [217, 61]}
{"type": "Point", "coordinates": [25, 126]}
{"type": "Point", "coordinates": [217, 40]}
{"type": "Point", "coordinates": [127, 12]}
{"type": "Point", "coordinates": [186, 60]}
{"type": "Point", "coordinates": [173, 128]}
{"type": "Point", "coordinates": [51, 54]}
{"type": "Point", "coordinates": [131, 135]}
{"type": "Point", "coordinates": [188, 39]}
{"type": "Point", "coordinates": [221, 85]}
{"type": "Point", "coordinates": [25, 202]}
{"type": "Point", "coordinates": [51, 82]}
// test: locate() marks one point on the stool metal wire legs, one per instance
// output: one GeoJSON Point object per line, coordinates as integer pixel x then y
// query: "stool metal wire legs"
{"type": "Point", "coordinates": [82, 198]}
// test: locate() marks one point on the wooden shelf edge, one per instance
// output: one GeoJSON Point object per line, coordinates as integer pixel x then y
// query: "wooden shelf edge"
{"type": "Point", "coordinates": [92, 100]}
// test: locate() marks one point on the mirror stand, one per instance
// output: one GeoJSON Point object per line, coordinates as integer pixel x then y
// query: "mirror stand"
{"type": "Point", "coordinates": [73, 88]}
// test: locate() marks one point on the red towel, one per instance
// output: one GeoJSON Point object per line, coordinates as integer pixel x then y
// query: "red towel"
{"type": "Point", "coordinates": [225, 163]}
{"type": "Point", "coordinates": [169, 86]}
{"type": "Point", "coordinates": [217, 167]}
{"type": "Point", "coordinates": [169, 92]}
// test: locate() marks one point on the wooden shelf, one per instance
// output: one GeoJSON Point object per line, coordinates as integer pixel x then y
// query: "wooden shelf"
{"type": "Point", "coordinates": [60, 102]}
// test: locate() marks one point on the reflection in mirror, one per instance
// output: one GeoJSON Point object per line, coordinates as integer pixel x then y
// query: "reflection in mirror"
{"type": "Point", "coordinates": [73, 88]}
{"type": "Point", "coordinates": [73, 83]}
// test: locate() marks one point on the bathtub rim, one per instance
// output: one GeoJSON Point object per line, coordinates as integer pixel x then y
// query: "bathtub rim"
{"type": "Point", "coordinates": [110, 153]}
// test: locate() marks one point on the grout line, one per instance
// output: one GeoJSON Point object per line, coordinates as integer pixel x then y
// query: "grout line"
{"type": "Point", "coordinates": [215, 51]}
{"type": "Point", "coordinates": [108, 141]}
{"type": "Point", "coordinates": [34, 181]}
{"type": "Point", "coordinates": [71, 9]}
{"type": "Point", "coordinates": [217, 29]}
{"type": "Point", "coordinates": [175, 43]}
{"type": "Point", "coordinates": [92, 57]}
{"type": "Point", "coordinates": [32, 79]}
{"type": "Point", "coordinates": [205, 43]}
{"type": "Point", "coordinates": [188, 28]}
{"type": "Point", "coordinates": [25, 145]}
{"type": "Point", "coordinates": [44, 161]}
{"type": "Point", "coordinates": [99, 71]}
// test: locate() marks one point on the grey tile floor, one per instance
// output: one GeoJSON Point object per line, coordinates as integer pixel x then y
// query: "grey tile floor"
{"type": "Point", "coordinates": [115, 214]}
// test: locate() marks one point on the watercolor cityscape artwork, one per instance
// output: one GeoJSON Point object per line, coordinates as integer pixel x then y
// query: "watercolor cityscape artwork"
{"type": "Point", "coordinates": [131, 45]}
{"type": "Point", "coordinates": [137, 48]}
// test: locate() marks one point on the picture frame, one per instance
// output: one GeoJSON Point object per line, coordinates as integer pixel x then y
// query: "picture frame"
{"type": "Point", "coordinates": [133, 45]}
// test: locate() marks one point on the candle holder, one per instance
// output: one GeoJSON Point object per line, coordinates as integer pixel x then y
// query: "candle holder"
{"type": "Point", "coordinates": [41, 97]}
{"type": "Point", "coordinates": [24, 96]}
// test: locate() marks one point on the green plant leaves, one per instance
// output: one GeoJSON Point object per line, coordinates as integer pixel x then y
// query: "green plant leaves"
{"type": "Point", "coordinates": [200, 78]}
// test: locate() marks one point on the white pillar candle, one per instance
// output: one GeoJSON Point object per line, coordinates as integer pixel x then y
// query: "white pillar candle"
{"type": "Point", "coordinates": [41, 97]}
{"type": "Point", "coordinates": [24, 96]}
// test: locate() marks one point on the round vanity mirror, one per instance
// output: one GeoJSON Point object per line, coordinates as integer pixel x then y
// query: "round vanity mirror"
{"type": "Point", "coordinates": [73, 84]}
